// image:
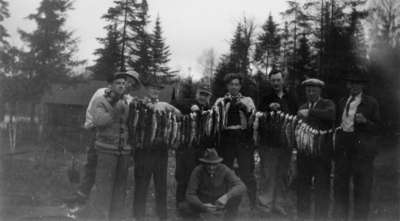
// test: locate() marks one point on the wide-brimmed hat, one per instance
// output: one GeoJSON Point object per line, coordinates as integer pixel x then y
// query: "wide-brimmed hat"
{"type": "Point", "coordinates": [204, 89]}
{"type": "Point", "coordinates": [211, 157]}
{"type": "Point", "coordinates": [313, 82]}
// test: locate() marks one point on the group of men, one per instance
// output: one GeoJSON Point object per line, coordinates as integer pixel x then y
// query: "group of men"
{"type": "Point", "coordinates": [212, 177]}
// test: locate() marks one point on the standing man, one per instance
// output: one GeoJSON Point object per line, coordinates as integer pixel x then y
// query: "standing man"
{"type": "Point", "coordinates": [214, 186]}
{"type": "Point", "coordinates": [236, 134]}
{"type": "Point", "coordinates": [187, 157]}
{"type": "Point", "coordinates": [355, 148]}
{"type": "Point", "coordinates": [152, 161]}
{"type": "Point", "coordinates": [319, 113]}
{"type": "Point", "coordinates": [109, 117]}
{"type": "Point", "coordinates": [89, 173]}
{"type": "Point", "coordinates": [275, 156]}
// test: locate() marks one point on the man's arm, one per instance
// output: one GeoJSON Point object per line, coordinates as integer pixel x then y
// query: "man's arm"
{"type": "Point", "coordinates": [327, 112]}
{"type": "Point", "coordinates": [191, 191]}
{"type": "Point", "coordinates": [237, 187]}
{"type": "Point", "coordinates": [101, 116]}
{"type": "Point", "coordinates": [372, 123]}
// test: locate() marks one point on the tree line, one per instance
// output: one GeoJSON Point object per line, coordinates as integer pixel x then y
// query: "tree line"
{"type": "Point", "coordinates": [323, 39]}
{"type": "Point", "coordinates": [315, 38]}
{"type": "Point", "coordinates": [48, 53]}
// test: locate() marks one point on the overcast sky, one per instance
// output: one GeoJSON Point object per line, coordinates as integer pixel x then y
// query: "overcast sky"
{"type": "Point", "coordinates": [190, 26]}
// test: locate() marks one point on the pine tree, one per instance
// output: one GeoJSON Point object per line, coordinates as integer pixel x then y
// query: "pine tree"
{"type": "Point", "coordinates": [304, 60]}
{"type": "Point", "coordinates": [160, 53]}
{"type": "Point", "coordinates": [50, 57]}
{"type": "Point", "coordinates": [4, 14]}
{"type": "Point", "coordinates": [268, 44]}
{"type": "Point", "coordinates": [109, 57]}
{"type": "Point", "coordinates": [141, 56]}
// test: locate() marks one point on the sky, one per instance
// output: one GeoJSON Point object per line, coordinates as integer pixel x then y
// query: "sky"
{"type": "Point", "coordinates": [190, 26]}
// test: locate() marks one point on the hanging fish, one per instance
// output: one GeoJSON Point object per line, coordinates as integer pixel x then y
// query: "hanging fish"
{"type": "Point", "coordinates": [256, 125]}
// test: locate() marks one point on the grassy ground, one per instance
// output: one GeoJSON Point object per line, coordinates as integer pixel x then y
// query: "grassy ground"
{"type": "Point", "coordinates": [34, 182]}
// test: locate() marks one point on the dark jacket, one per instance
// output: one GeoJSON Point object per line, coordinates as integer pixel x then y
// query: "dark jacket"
{"type": "Point", "coordinates": [288, 102]}
{"type": "Point", "coordinates": [270, 135]}
{"type": "Point", "coordinates": [366, 134]}
{"type": "Point", "coordinates": [203, 188]}
{"type": "Point", "coordinates": [322, 116]}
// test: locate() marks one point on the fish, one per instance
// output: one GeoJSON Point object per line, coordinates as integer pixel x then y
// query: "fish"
{"type": "Point", "coordinates": [153, 130]}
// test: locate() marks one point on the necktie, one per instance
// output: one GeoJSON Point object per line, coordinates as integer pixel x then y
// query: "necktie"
{"type": "Point", "coordinates": [352, 98]}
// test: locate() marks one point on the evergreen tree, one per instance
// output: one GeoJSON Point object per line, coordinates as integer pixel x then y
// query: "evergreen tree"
{"type": "Point", "coordinates": [50, 57]}
{"type": "Point", "coordinates": [237, 61]}
{"type": "Point", "coordinates": [4, 14]}
{"type": "Point", "coordinates": [268, 45]}
{"type": "Point", "coordinates": [304, 60]}
{"type": "Point", "coordinates": [141, 55]}
{"type": "Point", "coordinates": [109, 57]}
{"type": "Point", "coordinates": [160, 53]}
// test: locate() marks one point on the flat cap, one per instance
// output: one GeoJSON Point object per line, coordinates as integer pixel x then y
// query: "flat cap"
{"type": "Point", "coordinates": [313, 82]}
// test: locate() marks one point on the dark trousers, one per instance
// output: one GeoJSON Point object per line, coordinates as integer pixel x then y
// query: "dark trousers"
{"type": "Point", "coordinates": [230, 211]}
{"type": "Point", "coordinates": [351, 165]}
{"type": "Point", "coordinates": [150, 163]}
{"type": "Point", "coordinates": [309, 169]}
{"type": "Point", "coordinates": [186, 161]}
{"type": "Point", "coordinates": [89, 171]}
{"type": "Point", "coordinates": [233, 146]}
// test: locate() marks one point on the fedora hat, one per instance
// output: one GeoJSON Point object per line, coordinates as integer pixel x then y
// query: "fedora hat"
{"type": "Point", "coordinates": [357, 73]}
{"type": "Point", "coordinates": [211, 156]}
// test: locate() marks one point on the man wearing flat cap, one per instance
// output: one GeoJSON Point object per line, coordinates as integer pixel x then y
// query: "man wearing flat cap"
{"type": "Point", "coordinates": [108, 167]}
{"type": "Point", "coordinates": [132, 83]}
{"type": "Point", "coordinates": [318, 113]}
{"type": "Point", "coordinates": [213, 186]}
{"type": "Point", "coordinates": [358, 117]}
{"type": "Point", "coordinates": [187, 157]}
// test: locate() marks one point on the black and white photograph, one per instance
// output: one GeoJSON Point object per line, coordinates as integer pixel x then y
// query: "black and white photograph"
{"type": "Point", "coordinates": [199, 110]}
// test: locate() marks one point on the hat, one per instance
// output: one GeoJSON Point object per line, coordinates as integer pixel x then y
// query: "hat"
{"type": "Point", "coordinates": [313, 82]}
{"type": "Point", "coordinates": [204, 89]}
{"type": "Point", "coordinates": [124, 74]}
{"type": "Point", "coordinates": [134, 75]}
{"type": "Point", "coordinates": [357, 73]}
{"type": "Point", "coordinates": [210, 156]}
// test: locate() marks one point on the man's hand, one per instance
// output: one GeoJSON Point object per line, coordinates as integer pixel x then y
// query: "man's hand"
{"type": "Point", "coordinates": [222, 200]}
{"type": "Point", "coordinates": [210, 207]}
{"type": "Point", "coordinates": [274, 106]}
{"type": "Point", "coordinates": [303, 112]}
{"type": "Point", "coordinates": [194, 108]}
{"type": "Point", "coordinates": [359, 118]}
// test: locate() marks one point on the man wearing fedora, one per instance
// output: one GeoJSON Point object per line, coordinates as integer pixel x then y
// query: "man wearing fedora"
{"type": "Point", "coordinates": [213, 186]}
{"type": "Point", "coordinates": [358, 117]}
{"type": "Point", "coordinates": [319, 113]}
{"type": "Point", "coordinates": [187, 158]}
{"type": "Point", "coordinates": [151, 161]}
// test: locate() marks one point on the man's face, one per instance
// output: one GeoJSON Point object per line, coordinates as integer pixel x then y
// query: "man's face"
{"type": "Point", "coordinates": [153, 92]}
{"type": "Point", "coordinates": [202, 97]}
{"type": "Point", "coordinates": [118, 86]}
{"type": "Point", "coordinates": [277, 81]}
{"type": "Point", "coordinates": [211, 168]}
{"type": "Point", "coordinates": [313, 93]}
{"type": "Point", "coordinates": [355, 87]}
{"type": "Point", "coordinates": [234, 86]}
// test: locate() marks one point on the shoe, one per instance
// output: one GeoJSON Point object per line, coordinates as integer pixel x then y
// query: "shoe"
{"type": "Point", "coordinates": [257, 211]}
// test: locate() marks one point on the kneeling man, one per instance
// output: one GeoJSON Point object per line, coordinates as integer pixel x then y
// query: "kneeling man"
{"type": "Point", "coordinates": [214, 187]}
